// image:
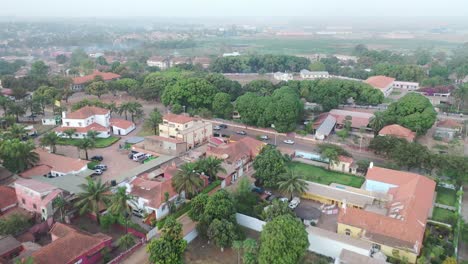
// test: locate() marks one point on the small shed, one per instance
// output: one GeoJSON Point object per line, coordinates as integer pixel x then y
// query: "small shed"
{"type": "Point", "coordinates": [325, 128]}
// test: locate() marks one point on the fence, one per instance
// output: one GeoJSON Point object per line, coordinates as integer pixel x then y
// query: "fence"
{"type": "Point", "coordinates": [124, 254]}
{"type": "Point", "coordinates": [250, 222]}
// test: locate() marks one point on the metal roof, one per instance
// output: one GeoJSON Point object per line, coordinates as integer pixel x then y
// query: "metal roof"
{"type": "Point", "coordinates": [143, 168]}
{"type": "Point", "coordinates": [327, 126]}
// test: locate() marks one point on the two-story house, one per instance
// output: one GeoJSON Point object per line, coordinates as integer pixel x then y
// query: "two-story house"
{"type": "Point", "coordinates": [96, 119]}
{"type": "Point", "coordinates": [36, 197]}
{"type": "Point", "coordinates": [80, 82]}
{"type": "Point", "coordinates": [158, 61]}
{"type": "Point", "coordinates": [383, 83]}
{"type": "Point", "coordinates": [237, 157]}
{"type": "Point", "coordinates": [306, 74]}
{"type": "Point", "coordinates": [186, 129]}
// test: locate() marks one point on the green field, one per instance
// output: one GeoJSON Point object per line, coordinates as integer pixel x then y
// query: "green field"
{"type": "Point", "coordinates": [443, 215]}
{"type": "Point", "coordinates": [323, 176]}
{"type": "Point", "coordinates": [446, 196]}
{"type": "Point", "coordinates": [100, 142]}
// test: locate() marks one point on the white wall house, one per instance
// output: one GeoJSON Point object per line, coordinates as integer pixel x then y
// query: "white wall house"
{"type": "Point", "coordinates": [410, 86]}
{"type": "Point", "coordinates": [283, 76]}
{"type": "Point", "coordinates": [306, 74]}
{"type": "Point", "coordinates": [158, 61]}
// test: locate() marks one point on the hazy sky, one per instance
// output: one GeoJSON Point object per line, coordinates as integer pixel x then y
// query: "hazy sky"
{"type": "Point", "coordinates": [223, 8]}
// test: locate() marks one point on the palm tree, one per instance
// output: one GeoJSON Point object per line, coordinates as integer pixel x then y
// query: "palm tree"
{"type": "Point", "coordinates": [119, 204]}
{"type": "Point", "coordinates": [377, 122]}
{"type": "Point", "coordinates": [86, 144]}
{"type": "Point", "coordinates": [135, 110]}
{"type": "Point", "coordinates": [112, 107]}
{"type": "Point", "coordinates": [18, 155]}
{"type": "Point", "coordinates": [16, 131]}
{"type": "Point", "coordinates": [50, 139]}
{"type": "Point", "coordinates": [126, 241]}
{"type": "Point", "coordinates": [124, 109]}
{"type": "Point", "coordinates": [332, 156]}
{"type": "Point", "coordinates": [212, 166]}
{"type": "Point", "coordinates": [187, 180]}
{"type": "Point", "coordinates": [92, 134]}
{"type": "Point", "coordinates": [69, 132]}
{"type": "Point", "coordinates": [153, 121]}
{"type": "Point", "coordinates": [292, 184]}
{"type": "Point", "coordinates": [4, 103]}
{"type": "Point", "coordinates": [94, 195]}
{"type": "Point", "coordinates": [237, 245]}
{"type": "Point", "coordinates": [59, 204]}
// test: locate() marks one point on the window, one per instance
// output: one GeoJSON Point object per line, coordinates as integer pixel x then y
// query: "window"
{"type": "Point", "coordinates": [348, 232]}
{"type": "Point", "coordinates": [79, 124]}
{"type": "Point", "coordinates": [23, 201]}
{"type": "Point", "coordinates": [395, 252]}
{"type": "Point", "coordinates": [67, 123]}
{"type": "Point", "coordinates": [43, 210]}
{"type": "Point", "coordinates": [34, 206]}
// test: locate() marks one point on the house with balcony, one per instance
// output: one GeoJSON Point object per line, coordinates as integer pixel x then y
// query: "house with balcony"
{"type": "Point", "coordinates": [185, 129]}
{"type": "Point", "coordinates": [36, 197]}
{"type": "Point", "coordinates": [93, 118]}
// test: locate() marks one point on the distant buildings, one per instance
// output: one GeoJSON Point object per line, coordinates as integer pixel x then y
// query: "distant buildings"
{"type": "Point", "coordinates": [447, 129]}
{"type": "Point", "coordinates": [398, 131]}
{"type": "Point", "coordinates": [185, 129]}
{"type": "Point", "coordinates": [158, 61]}
{"type": "Point", "coordinates": [79, 83]}
{"type": "Point", "coordinates": [168, 62]}
{"type": "Point", "coordinates": [306, 74]}
{"type": "Point", "coordinates": [283, 76]}
{"type": "Point", "coordinates": [232, 54]}
{"type": "Point", "coordinates": [93, 118]}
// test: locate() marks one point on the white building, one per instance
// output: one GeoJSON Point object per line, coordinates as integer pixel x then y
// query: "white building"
{"type": "Point", "coordinates": [93, 118]}
{"type": "Point", "coordinates": [231, 54]}
{"type": "Point", "coordinates": [158, 61]}
{"type": "Point", "coordinates": [306, 74]}
{"type": "Point", "coordinates": [283, 76]}
{"type": "Point", "coordinates": [410, 86]}
{"type": "Point", "coordinates": [186, 129]}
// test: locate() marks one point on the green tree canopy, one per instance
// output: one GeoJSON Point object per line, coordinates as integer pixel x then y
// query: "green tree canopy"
{"type": "Point", "coordinates": [97, 88]}
{"type": "Point", "coordinates": [222, 106]}
{"type": "Point", "coordinates": [170, 246]}
{"type": "Point", "coordinates": [191, 92]}
{"type": "Point", "coordinates": [269, 165]}
{"type": "Point", "coordinates": [18, 155]}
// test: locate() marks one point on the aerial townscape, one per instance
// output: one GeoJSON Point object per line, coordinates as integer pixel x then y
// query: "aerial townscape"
{"type": "Point", "coordinates": [216, 132]}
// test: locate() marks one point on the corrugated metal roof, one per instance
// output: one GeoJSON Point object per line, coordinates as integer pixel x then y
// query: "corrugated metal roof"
{"type": "Point", "coordinates": [143, 168]}
{"type": "Point", "coordinates": [327, 126]}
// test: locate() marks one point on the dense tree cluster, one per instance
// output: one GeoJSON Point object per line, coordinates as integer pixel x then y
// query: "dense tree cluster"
{"type": "Point", "coordinates": [269, 165]}
{"type": "Point", "coordinates": [8, 68]}
{"type": "Point", "coordinates": [259, 64]}
{"type": "Point", "coordinates": [407, 72]}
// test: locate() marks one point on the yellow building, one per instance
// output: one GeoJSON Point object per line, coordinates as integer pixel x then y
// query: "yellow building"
{"type": "Point", "coordinates": [186, 129]}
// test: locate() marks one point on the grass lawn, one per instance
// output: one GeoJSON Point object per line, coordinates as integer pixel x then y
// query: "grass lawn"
{"type": "Point", "coordinates": [323, 176]}
{"type": "Point", "coordinates": [442, 215]}
{"type": "Point", "coordinates": [100, 142]}
{"type": "Point", "coordinates": [446, 196]}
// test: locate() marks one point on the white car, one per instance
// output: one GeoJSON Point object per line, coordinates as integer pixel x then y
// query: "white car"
{"type": "Point", "coordinates": [294, 202]}
{"type": "Point", "coordinates": [216, 128]}
{"type": "Point", "coordinates": [264, 137]}
{"type": "Point", "coordinates": [283, 199]}
{"type": "Point", "coordinates": [289, 141]}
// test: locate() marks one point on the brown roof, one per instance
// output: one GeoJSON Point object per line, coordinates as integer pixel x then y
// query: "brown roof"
{"type": "Point", "coordinates": [56, 162]}
{"type": "Point", "coordinates": [106, 76]}
{"type": "Point", "coordinates": [448, 123]}
{"type": "Point", "coordinates": [398, 131]}
{"type": "Point", "coordinates": [358, 119]}
{"type": "Point", "coordinates": [152, 190]}
{"type": "Point", "coordinates": [7, 244]}
{"type": "Point", "coordinates": [86, 112]}
{"type": "Point", "coordinates": [345, 159]}
{"type": "Point", "coordinates": [405, 223]}
{"type": "Point", "coordinates": [7, 197]}
{"type": "Point", "coordinates": [179, 119]}
{"type": "Point", "coordinates": [121, 123]}
{"type": "Point", "coordinates": [245, 147]}
{"type": "Point", "coordinates": [38, 170]}
{"type": "Point", "coordinates": [380, 81]}
{"type": "Point", "coordinates": [69, 246]}
{"type": "Point", "coordinates": [94, 126]}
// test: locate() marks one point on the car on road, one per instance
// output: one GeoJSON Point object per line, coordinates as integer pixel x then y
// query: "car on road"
{"type": "Point", "coordinates": [223, 126]}
{"type": "Point", "coordinates": [289, 141]}
{"type": "Point", "coordinates": [241, 132]}
{"type": "Point", "coordinates": [101, 167]}
{"type": "Point", "coordinates": [97, 158]}
{"type": "Point", "coordinates": [264, 137]}
{"type": "Point", "coordinates": [216, 128]}
{"type": "Point", "coordinates": [97, 172]}
{"type": "Point", "coordinates": [294, 202]}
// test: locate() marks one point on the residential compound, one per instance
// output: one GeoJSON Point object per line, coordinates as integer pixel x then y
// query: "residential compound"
{"type": "Point", "coordinates": [93, 118]}
{"type": "Point", "coordinates": [168, 62]}
{"type": "Point", "coordinates": [79, 83]}
{"type": "Point", "coordinates": [387, 84]}
{"type": "Point", "coordinates": [306, 74]}
{"type": "Point", "coordinates": [185, 129]}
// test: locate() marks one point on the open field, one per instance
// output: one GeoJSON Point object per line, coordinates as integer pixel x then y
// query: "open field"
{"type": "Point", "coordinates": [323, 176]}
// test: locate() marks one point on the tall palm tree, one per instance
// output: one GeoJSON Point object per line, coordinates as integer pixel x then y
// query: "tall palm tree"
{"type": "Point", "coordinates": [94, 195]}
{"type": "Point", "coordinates": [69, 132]}
{"type": "Point", "coordinates": [377, 122]}
{"type": "Point", "coordinates": [292, 184]}
{"type": "Point", "coordinates": [135, 110]}
{"type": "Point", "coordinates": [120, 200]}
{"type": "Point", "coordinates": [59, 204]}
{"type": "Point", "coordinates": [112, 107]}
{"type": "Point", "coordinates": [153, 121]}
{"type": "Point", "coordinates": [86, 144]}
{"type": "Point", "coordinates": [124, 109]}
{"type": "Point", "coordinates": [18, 155]}
{"type": "Point", "coordinates": [17, 110]}
{"type": "Point", "coordinates": [187, 180]}
{"type": "Point", "coordinates": [211, 166]}
{"type": "Point", "coordinates": [332, 156]}
{"type": "Point", "coordinates": [16, 131]}
{"type": "Point", "coordinates": [50, 139]}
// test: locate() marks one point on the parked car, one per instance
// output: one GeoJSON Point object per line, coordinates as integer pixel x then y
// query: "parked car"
{"type": "Point", "coordinates": [101, 167]}
{"type": "Point", "coordinates": [294, 202]}
{"type": "Point", "coordinates": [223, 126]}
{"type": "Point", "coordinates": [264, 137]}
{"type": "Point", "coordinates": [289, 141]}
{"type": "Point", "coordinates": [216, 128]}
{"type": "Point", "coordinates": [97, 172]}
{"type": "Point", "coordinates": [242, 132]}
{"type": "Point", "coordinates": [139, 156]}
{"type": "Point", "coordinates": [97, 158]}
{"type": "Point", "coordinates": [133, 152]}
{"type": "Point", "coordinates": [258, 190]}
{"type": "Point", "coordinates": [271, 198]}
{"type": "Point", "coordinates": [284, 199]}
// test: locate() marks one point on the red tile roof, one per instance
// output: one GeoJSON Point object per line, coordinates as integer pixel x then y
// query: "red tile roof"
{"type": "Point", "coordinates": [245, 147]}
{"type": "Point", "coordinates": [7, 197]}
{"type": "Point", "coordinates": [71, 245]}
{"type": "Point", "coordinates": [94, 126]}
{"type": "Point", "coordinates": [358, 119]}
{"type": "Point", "coordinates": [86, 112]}
{"type": "Point", "coordinates": [449, 123]}
{"type": "Point", "coordinates": [38, 170]}
{"type": "Point", "coordinates": [179, 119]}
{"type": "Point", "coordinates": [398, 131]}
{"type": "Point", "coordinates": [380, 81]}
{"type": "Point", "coordinates": [345, 159]}
{"type": "Point", "coordinates": [106, 76]}
{"type": "Point", "coordinates": [152, 190]}
{"type": "Point", "coordinates": [121, 123]}
{"type": "Point", "coordinates": [405, 223]}
{"type": "Point", "coordinates": [55, 162]}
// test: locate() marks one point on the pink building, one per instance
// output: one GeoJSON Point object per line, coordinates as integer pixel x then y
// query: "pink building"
{"type": "Point", "coordinates": [36, 197]}
{"type": "Point", "coordinates": [72, 246]}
